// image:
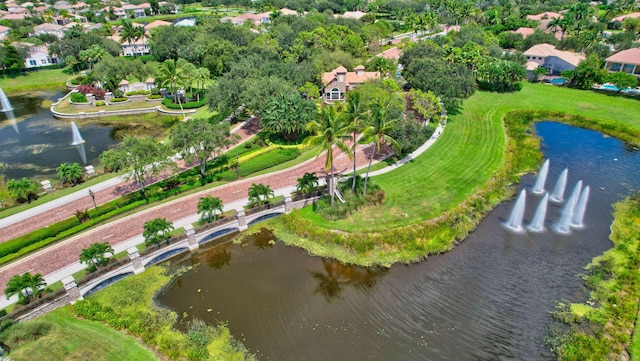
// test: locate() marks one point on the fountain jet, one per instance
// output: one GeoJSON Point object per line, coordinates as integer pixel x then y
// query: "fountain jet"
{"type": "Point", "coordinates": [8, 110]}
{"type": "Point", "coordinates": [558, 192]}
{"type": "Point", "coordinates": [538, 188]}
{"type": "Point", "coordinates": [567, 211]}
{"type": "Point", "coordinates": [77, 140]}
{"type": "Point", "coordinates": [537, 225]}
{"type": "Point", "coordinates": [581, 206]}
{"type": "Point", "coordinates": [517, 213]}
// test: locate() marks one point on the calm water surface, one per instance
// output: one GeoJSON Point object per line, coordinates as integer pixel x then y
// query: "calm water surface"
{"type": "Point", "coordinates": [44, 142]}
{"type": "Point", "coordinates": [488, 299]}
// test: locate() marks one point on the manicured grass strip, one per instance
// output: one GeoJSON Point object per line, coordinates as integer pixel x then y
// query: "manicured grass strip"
{"type": "Point", "coordinates": [70, 338]}
{"type": "Point", "coordinates": [601, 329]}
{"type": "Point", "coordinates": [35, 80]}
{"type": "Point", "coordinates": [470, 151]}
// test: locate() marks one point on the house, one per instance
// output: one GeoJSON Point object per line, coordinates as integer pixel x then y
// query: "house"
{"type": "Point", "coordinates": [339, 81]}
{"type": "Point", "coordinates": [135, 48]}
{"type": "Point", "coordinates": [48, 28]}
{"type": "Point", "coordinates": [351, 15]}
{"type": "Point", "coordinates": [545, 15]}
{"type": "Point", "coordinates": [557, 61]}
{"type": "Point", "coordinates": [156, 23]}
{"type": "Point", "coordinates": [4, 32]}
{"type": "Point", "coordinates": [186, 22]}
{"type": "Point", "coordinates": [621, 18]}
{"type": "Point", "coordinates": [391, 54]}
{"type": "Point", "coordinates": [625, 60]}
{"type": "Point", "coordinates": [14, 17]}
{"type": "Point", "coordinates": [136, 11]}
{"type": "Point", "coordinates": [285, 11]}
{"type": "Point", "coordinates": [524, 32]}
{"type": "Point", "coordinates": [37, 56]}
{"type": "Point", "coordinates": [233, 20]}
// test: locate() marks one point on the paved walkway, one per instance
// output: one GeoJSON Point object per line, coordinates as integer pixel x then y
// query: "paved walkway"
{"type": "Point", "coordinates": [65, 207]}
{"type": "Point", "coordinates": [61, 260]}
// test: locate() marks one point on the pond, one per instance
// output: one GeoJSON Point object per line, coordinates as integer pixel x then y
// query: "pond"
{"type": "Point", "coordinates": [488, 299]}
{"type": "Point", "coordinates": [43, 142]}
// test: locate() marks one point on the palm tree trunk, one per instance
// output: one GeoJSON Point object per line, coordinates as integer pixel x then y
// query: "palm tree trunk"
{"type": "Point", "coordinates": [355, 144]}
{"type": "Point", "coordinates": [332, 189]}
{"type": "Point", "coordinates": [366, 178]}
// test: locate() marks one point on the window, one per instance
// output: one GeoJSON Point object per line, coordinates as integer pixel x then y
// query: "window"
{"type": "Point", "coordinates": [44, 61]}
{"type": "Point", "coordinates": [335, 94]}
{"type": "Point", "coordinates": [628, 68]}
{"type": "Point", "coordinates": [32, 63]}
{"type": "Point", "coordinates": [615, 67]}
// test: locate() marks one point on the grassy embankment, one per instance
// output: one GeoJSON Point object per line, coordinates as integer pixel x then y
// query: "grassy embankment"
{"type": "Point", "coordinates": [35, 80]}
{"type": "Point", "coordinates": [602, 327]}
{"type": "Point", "coordinates": [128, 307]}
{"type": "Point", "coordinates": [60, 336]}
{"type": "Point", "coordinates": [440, 197]}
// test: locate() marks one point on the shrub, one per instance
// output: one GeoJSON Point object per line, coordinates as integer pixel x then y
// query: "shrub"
{"type": "Point", "coordinates": [155, 91]}
{"type": "Point", "coordinates": [137, 92]}
{"type": "Point", "coordinates": [100, 103]}
{"type": "Point", "coordinates": [81, 79]}
{"type": "Point", "coordinates": [78, 98]}
{"type": "Point", "coordinates": [118, 93]}
{"type": "Point", "coordinates": [24, 332]}
{"type": "Point", "coordinates": [146, 58]}
{"type": "Point", "coordinates": [89, 89]}
{"type": "Point", "coordinates": [168, 102]}
{"type": "Point", "coordinates": [154, 96]}
{"type": "Point", "coordinates": [119, 100]}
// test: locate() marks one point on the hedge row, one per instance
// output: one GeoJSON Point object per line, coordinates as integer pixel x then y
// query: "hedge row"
{"type": "Point", "coordinates": [168, 102]}
{"type": "Point", "coordinates": [261, 162]}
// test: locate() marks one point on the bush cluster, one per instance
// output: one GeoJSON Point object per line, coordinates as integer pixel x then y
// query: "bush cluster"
{"type": "Point", "coordinates": [118, 100]}
{"type": "Point", "coordinates": [137, 92]}
{"type": "Point", "coordinates": [100, 103]}
{"type": "Point", "coordinates": [80, 79]}
{"type": "Point", "coordinates": [90, 89]}
{"type": "Point", "coordinates": [78, 98]}
{"type": "Point", "coordinates": [168, 102]}
{"type": "Point", "coordinates": [154, 96]}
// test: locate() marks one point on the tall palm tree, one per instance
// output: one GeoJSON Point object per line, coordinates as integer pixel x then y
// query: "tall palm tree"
{"type": "Point", "coordinates": [200, 76]}
{"type": "Point", "coordinates": [171, 74]}
{"type": "Point", "coordinates": [131, 34]}
{"type": "Point", "coordinates": [26, 286]}
{"type": "Point", "coordinates": [157, 230]}
{"type": "Point", "coordinates": [356, 116]}
{"type": "Point", "coordinates": [260, 193]}
{"type": "Point", "coordinates": [378, 133]}
{"type": "Point", "coordinates": [329, 130]}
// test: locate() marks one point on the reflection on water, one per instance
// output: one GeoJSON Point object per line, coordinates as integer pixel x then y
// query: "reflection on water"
{"type": "Point", "coordinates": [43, 142]}
{"type": "Point", "coordinates": [488, 299]}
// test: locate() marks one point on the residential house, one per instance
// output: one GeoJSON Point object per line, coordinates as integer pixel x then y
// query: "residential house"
{"type": "Point", "coordinates": [186, 22]}
{"type": "Point", "coordinates": [339, 81]}
{"type": "Point", "coordinates": [545, 15]}
{"type": "Point", "coordinates": [351, 15]}
{"type": "Point", "coordinates": [547, 56]}
{"type": "Point", "coordinates": [37, 56]}
{"type": "Point", "coordinates": [136, 11]}
{"type": "Point", "coordinates": [48, 28]}
{"type": "Point", "coordinates": [14, 16]}
{"type": "Point", "coordinates": [524, 31]}
{"type": "Point", "coordinates": [155, 24]}
{"type": "Point", "coordinates": [4, 32]}
{"type": "Point", "coordinates": [625, 60]}
{"type": "Point", "coordinates": [135, 48]}
{"type": "Point", "coordinates": [621, 18]}
{"type": "Point", "coordinates": [233, 20]}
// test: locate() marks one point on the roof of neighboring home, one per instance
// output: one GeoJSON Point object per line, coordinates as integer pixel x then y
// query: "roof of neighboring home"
{"type": "Point", "coordinates": [150, 80]}
{"type": "Point", "coordinates": [532, 65]}
{"type": "Point", "coordinates": [4, 28]}
{"type": "Point", "coordinates": [249, 16]}
{"type": "Point", "coordinates": [546, 50]}
{"type": "Point", "coordinates": [186, 22]}
{"type": "Point", "coordinates": [524, 32]}
{"type": "Point", "coordinates": [391, 53]}
{"type": "Point", "coordinates": [544, 15]}
{"type": "Point", "coordinates": [350, 77]}
{"type": "Point", "coordinates": [629, 56]}
{"type": "Point", "coordinates": [14, 17]}
{"type": "Point", "coordinates": [157, 23]}
{"type": "Point", "coordinates": [124, 82]}
{"type": "Point", "coordinates": [42, 8]}
{"type": "Point", "coordinates": [621, 18]}
{"type": "Point", "coordinates": [351, 15]}
{"type": "Point", "coordinates": [285, 11]}
{"type": "Point", "coordinates": [449, 28]}
{"type": "Point", "coordinates": [18, 10]}
{"type": "Point", "coordinates": [118, 39]}
{"type": "Point", "coordinates": [48, 27]}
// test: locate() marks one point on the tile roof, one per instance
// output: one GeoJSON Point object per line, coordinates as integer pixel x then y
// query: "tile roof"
{"type": "Point", "coordinates": [524, 32]}
{"type": "Point", "coordinates": [350, 77]}
{"type": "Point", "coordinates": [48, 27]}
{"type": "Point", "coordinates": [391, 53]}
{"type": "Point", "coordinates": [351, 15]}
{"type": "Point", "coordinates": [544, 15]}
{"type": "Point", "coordinates": [621, 18]}
{"type": "Point", "coordinates": [629, 56]}
{"type": "Point", "coordinates": [545, 50]}
{"type": "Point", "coordinates": [157, 23]}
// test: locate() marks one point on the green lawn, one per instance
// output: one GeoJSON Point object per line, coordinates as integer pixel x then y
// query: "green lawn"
{"type": "Point", "coordinates": [469, 153]}
{"type": "Point", "coordinates": [42, 79]}
{"type": "Point", "coordinates": [72, 339]}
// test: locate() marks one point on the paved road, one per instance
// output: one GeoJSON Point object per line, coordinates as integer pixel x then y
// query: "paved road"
{"type": "Point", "coordinates": [66, 207]}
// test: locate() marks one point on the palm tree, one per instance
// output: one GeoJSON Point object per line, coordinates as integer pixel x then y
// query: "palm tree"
{"type": "Point", "coordinates": [330, 130]}
{"type": "Point", "coordinates": [306, 183]}
{"type": "Point", "coordinates": [260, 193]}
{"type": "Point", "coordinates": [188, 70]}
{"type": "Point", "coordinates": [26, 286]}
{"type": "Point", "coordinates": [70, 173]}
{"type": "Point", "coordinates": [95, 255]}
{"type": "Point", "coordinates": [157, 230]}
{"type": "Point", "coordinates": [378, 133]}
{"type": "Point", "coordinates": [131, 33]}
{"type": "Point", "coordinates": [171, 74]}
{"type": "Point", "coordinates": [355, 115]}
{"type": "Point", "coordinates": [554, 24]}
{"type": "Point", "coordinates": [200, 76]}
{"type": "Point", "coordinates": [208, 206]}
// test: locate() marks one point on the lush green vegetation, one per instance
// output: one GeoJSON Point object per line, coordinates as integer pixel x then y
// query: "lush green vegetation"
{"type": "Point", "coordinates": [36, 80]}
{"type": "Point", "coordinates": [602, 328]}
{"type": "Point", "coordinates": [459, 179]}
{"type": "Point", "coordinates": [128, 306]}
{"type": "Point", "coordinates": [60, 336]}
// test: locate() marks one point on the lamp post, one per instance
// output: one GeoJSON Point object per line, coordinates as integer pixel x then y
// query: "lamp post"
{"type": "Point", "coordinates": [93, 198]}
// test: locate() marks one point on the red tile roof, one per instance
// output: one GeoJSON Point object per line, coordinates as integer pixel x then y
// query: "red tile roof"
{"type": "Point", "coordinates": [629, 56]}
